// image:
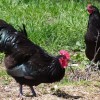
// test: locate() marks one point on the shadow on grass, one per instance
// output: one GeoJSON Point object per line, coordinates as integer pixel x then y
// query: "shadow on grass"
{"type": "Point", "coordinates": [62, 94]}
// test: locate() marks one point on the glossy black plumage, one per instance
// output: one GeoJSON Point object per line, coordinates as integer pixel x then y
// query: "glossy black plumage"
{"type": "Point", "coordinates": [25, 61]}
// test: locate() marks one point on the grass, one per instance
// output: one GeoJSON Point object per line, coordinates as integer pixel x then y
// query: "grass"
{"type": "Point", "coordinates": [52, 24]}
{"type": "Point", "coordinates": [4, 78]}
{"type": "Point", "coordinates": [3, 73]}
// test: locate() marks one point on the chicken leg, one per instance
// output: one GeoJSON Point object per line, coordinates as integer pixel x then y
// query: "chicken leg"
{"type": "Point", "coordinates": [33, 92]}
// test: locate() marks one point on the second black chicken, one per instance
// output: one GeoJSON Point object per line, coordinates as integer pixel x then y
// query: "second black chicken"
{"type": "Point", "coordinates": [92, 36]}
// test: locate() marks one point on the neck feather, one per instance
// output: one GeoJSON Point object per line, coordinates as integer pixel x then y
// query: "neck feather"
{"type": "Point", "coordinates": [56, 72]}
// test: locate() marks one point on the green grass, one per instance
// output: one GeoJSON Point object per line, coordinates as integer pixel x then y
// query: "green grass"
{"type": "Point", "coordinates": [2, 73]}
{"type": "Point", "coordinates": [4, 78]}
{"type": "Point", "coordinates": [52, 24]}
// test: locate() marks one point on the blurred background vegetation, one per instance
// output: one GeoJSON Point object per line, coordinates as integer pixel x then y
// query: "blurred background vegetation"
{"type": "Point", "coordinates": [52, 24]}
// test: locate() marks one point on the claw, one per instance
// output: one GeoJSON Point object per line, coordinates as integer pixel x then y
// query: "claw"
{"type": "Point", "coordinates": [21, 96]}
{"type": "Point", "coordinates": [33, 92]}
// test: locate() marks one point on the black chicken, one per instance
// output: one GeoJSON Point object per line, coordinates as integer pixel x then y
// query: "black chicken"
{"type": "Point", "coordinates": [28, 63]}
{"type": "Point", "coordinates": [92, 36]}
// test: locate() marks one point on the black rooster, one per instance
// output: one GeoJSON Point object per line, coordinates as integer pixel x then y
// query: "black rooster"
{"type": "Point", "coordinates": [92, 36]}
{"type": "Point", "coordinates": [28, 63]}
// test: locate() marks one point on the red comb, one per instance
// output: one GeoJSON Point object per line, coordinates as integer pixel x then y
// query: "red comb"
{"type": "Point", "coordinates": [89, 8]}
{"type": "Point", "coordinates": [89, 5]}
{"type": "Point", "coordinates": [65, 53]}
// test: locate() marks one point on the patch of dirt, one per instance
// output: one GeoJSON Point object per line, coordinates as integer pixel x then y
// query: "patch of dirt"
{"type": "Point", "coordinates": [45, 92]}
{"type": "Point", "coordinates": [90, 91]}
